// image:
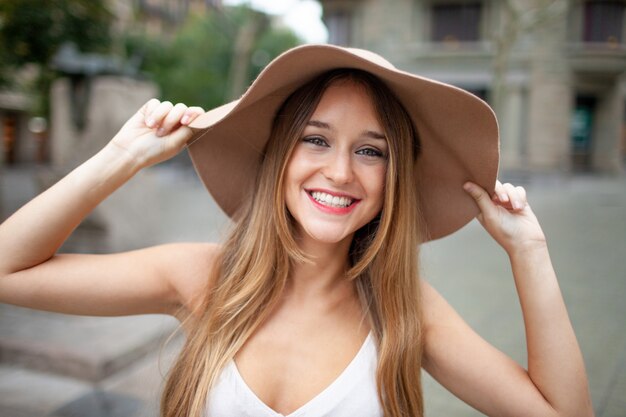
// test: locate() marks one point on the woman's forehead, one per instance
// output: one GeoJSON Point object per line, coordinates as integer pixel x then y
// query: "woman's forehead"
{"type": "Point", "coordinates": [346, 99]}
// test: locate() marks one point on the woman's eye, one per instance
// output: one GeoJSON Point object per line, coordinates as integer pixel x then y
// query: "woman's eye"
{"type": "Point", "coordinates": [370, 152]}
{"type": "Point", "coordinates": [315, 140]}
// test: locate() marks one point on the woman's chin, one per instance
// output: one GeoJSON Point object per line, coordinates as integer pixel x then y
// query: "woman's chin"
{"type": "Point", "coordinates": [330, 237]}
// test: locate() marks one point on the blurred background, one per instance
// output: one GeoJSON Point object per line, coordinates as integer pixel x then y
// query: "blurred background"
{"type": "Point", "coordinates": [72, 71]}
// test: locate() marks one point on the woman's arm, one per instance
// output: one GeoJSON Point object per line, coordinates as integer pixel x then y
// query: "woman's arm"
{"type": "Point", "coordinates": [32, 275]}
{"type": "Point", "coordinates": [555, 383]}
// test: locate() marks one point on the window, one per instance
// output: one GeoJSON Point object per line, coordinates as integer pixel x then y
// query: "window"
{"type": "Point", "coordinates": [339, 24]}
{"type": "Point", "coordinates": [456, 22]}
{"type": "Point", "coordinates": [603, 21]}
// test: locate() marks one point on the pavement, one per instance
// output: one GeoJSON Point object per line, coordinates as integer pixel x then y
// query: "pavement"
{"type": "Point", "coordinates": [65, 366]}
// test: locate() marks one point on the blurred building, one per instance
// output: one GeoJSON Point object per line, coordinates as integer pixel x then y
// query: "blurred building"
{"type": "Point", "coordinates": [554, 70]}
{"type": "Point", "coordinates": [157, 17]}
{"type": "Point", "coordinates": [18, 142]}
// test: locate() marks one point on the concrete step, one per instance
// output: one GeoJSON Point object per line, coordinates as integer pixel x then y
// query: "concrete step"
{"type": "Point", "coordinates": [30, 393]}
{"type": "Point", "coordinates": [134, 391]}
{"type": "Point", "coordinates": [85, 348]}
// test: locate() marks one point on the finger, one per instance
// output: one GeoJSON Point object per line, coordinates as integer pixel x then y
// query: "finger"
{"type": "Point", "coordinates": [156, 116]}
{"type": "Point", "coordinates": [521, 193]}
{"type": "Point", "coordinates": [145, 110]}
{"type": "Point", "coordinates": [500, 192]}
{"type": "Point", "coordinates": [172, 119]}
{"type": "Point", "coordinates": [178, 138]}
{"type": "Point", "coordinates": [150, 105]}
{"type": "Point", "coordinates": [191, 114]}
{"type": "Point", "coordinates": [481, 197]}
{"type": "Point", "coordinates": [514, 196]}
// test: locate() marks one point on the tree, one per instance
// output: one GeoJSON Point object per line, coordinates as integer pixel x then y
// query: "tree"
{"type": "Point", "coordinates": [31, 31]}
{"type": "Point", "coordinates": [517, 20]}
{"type": "Point", "coordinates": [34, 29]}
{"type": "Point", "coordinates": [199, 64]}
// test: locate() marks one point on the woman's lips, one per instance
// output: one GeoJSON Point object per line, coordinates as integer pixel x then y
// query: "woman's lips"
{"type": "Point", "coordinates": [331, 202]}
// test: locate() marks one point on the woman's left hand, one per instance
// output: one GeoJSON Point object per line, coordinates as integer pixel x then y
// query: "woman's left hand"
{"type": "Point", "coordinates": [507, 216]}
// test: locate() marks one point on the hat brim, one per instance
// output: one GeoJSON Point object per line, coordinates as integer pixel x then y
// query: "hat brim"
{"type": "Point", "coordinates": [458, 133]}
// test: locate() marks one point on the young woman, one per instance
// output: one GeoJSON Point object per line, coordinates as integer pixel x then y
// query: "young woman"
{"type": "Point", "coordinates": [334, 166]}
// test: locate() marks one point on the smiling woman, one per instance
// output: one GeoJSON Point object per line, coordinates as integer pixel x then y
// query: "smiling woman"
{"type": "Point", "coordinates": [341, 135]}
{"type": "Point", "coordinates": [334, 167]}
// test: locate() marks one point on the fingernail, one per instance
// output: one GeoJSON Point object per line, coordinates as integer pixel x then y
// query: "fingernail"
{"type": "Point", "coordinates": [503, 197]}
{"type": "Point", "coordinates": [516, 205]}
{"type": "Point", "coordinates": [184, 120]}
{"type": "Point", "coordinates": [160, 132]}
{"type": "Point", "coordinates": [150, 122]}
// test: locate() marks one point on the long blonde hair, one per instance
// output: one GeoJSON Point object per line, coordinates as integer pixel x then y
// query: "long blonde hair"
{"type": "Point", "coordinates": [256, 260]}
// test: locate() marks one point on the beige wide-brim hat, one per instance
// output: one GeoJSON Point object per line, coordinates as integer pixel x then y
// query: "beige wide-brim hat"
{"type": "Point", "coordinates": [458, 133]}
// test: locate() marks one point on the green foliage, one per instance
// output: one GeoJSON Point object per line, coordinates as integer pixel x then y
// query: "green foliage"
{"type": "Point", "coordinates": [193, 66]}
{"type": "Point", "coordinates": [269, 45]}
{"type": "Point", "coordinates": [32, 30]}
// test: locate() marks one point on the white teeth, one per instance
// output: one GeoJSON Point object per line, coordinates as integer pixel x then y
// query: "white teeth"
{"type": "Point", "coordinates": [332, 201]}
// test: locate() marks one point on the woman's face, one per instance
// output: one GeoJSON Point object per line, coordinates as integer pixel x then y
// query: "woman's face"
{"type": "Point", "coordinates": [335, 178]}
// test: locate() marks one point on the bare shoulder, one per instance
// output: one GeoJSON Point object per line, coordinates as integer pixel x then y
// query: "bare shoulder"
{"type": "Point", "coordinates": [439, 319]}
{"type": "Point", "coordinates": [190, 270]}
{"type": "Point", "coordinates": [435, 308]}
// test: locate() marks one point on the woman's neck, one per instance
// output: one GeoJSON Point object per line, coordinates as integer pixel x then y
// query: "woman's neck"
{"type": "Point", "coordinates": [325, 276]}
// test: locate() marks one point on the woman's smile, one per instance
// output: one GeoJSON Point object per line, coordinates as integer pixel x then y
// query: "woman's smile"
{"type": "Point", "coordinates": [330, 202]}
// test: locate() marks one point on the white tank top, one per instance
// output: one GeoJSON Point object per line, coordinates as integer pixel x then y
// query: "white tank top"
{"type": "Point", "coordinates": [352, 394]}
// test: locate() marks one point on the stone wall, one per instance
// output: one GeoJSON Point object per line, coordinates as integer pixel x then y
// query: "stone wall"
{"type": "Point", "coordinates": [550, 98]}
{"type": "Point", "coordinates": [112, 100]}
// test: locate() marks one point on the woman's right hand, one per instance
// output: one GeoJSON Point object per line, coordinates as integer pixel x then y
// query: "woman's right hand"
{"type": "Point", "coordinates": [157, 132]}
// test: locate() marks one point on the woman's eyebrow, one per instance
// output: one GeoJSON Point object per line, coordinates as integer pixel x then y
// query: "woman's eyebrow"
{"type": "Point", "coordinates": [317, 123]}
{"type": "Point", "coordinates": [374, 135]}
{"type": "Point", "coordinates": [367, 133]}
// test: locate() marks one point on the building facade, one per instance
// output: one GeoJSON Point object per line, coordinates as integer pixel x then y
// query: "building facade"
{"type": "Point", "coordinates": [554, 70]}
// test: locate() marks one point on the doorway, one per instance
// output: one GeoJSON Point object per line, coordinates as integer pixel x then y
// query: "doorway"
{"type": "Point", "coordinates": [582, 132]}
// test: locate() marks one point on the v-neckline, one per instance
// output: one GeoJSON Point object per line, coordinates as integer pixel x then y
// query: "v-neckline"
{"type": "Point", "coordinates": [346, 373]}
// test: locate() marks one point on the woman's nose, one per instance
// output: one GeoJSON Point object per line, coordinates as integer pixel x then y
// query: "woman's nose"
{"type": "Point", "coordinates": [339, 168]}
